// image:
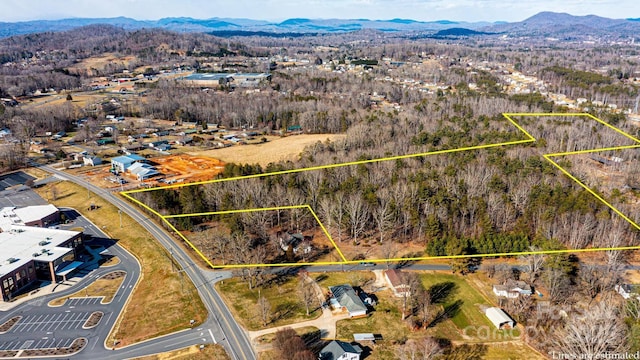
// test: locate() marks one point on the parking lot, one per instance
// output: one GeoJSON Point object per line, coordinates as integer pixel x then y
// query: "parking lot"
{"type": "Point", "coordinates": [88, 301]}
{"type": "Point", "coordinates": [51, 322]}
{"type": "Point", "coordinates": [47, 342]}
{"type": "Point", "coordinates": [13, 179]}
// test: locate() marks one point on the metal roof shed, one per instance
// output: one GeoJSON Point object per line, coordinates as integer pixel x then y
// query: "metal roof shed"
{"type": "Point", "coordinates": [499, 318]}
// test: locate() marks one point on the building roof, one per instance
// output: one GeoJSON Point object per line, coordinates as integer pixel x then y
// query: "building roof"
{"type": "Point", "coordinates": [395, 277]}
{"type": "Point", "coordinates": [127, 159]}
{"type": "Point", "coordinates": [11, 215]}
{"type": "Point", "coordinates": [208, 76]}
{"type": "Point", "coordinates": [498, 317]}
{"type": "Point", "coordinates": [337, 348]}
{"type": "Point", "coordinates": [142, 170]}
{"type": "Point", "coordinates": [20, 245]}
{"type": "Point", "coordinates": [514, 286]}
{"type": "Point", "coordinates": [347, 297]}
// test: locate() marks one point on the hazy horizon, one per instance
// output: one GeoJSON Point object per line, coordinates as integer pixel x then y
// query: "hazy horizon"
{"type": "Point", "coordinates": [278, 10]}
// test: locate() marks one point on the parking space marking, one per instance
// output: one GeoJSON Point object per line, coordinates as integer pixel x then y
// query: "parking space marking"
{"type": "Point", "coordinates": [52, 322]}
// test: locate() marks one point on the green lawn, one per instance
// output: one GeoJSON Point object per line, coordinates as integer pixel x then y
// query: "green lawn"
{"type": "Point", "coordinates": [286, 305]}
{"type": "Point", "coordinates": [461, 299]}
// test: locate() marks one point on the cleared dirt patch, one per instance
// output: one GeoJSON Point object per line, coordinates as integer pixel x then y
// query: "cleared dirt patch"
{"type": "Point", "coordinates": [188, 168]}
{"type": "Point", "coordinates": [9, 324]}
{"type": "Point", "coordinates": [278, 149]}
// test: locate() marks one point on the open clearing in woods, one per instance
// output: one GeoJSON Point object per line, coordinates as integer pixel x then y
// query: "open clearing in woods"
{"type": "Point", "coordinates": [274, 150]}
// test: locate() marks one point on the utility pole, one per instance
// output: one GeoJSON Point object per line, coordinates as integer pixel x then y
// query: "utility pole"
{"type": "Point", "coordinates": [120, 215]}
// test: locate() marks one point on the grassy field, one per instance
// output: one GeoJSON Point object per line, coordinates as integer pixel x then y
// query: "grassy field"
{"type": "Point", "coordinates": [191, 353]}
{"type": "Point", "coordinates": [102, 287]}
{"type": "Point", "coordinates": [163, 301]}
{"type": "Point", "coordinates": [286, 306]}
{"type": "Point", "coordinates": [455, 289]}
{"type": "Point", "coordinates": [276, 149]}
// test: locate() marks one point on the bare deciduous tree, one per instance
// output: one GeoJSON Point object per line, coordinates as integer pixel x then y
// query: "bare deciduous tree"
{"type": "Point", "coordinates": [264, 307]}
{"type": "Point", "coordinates": [597, 331]}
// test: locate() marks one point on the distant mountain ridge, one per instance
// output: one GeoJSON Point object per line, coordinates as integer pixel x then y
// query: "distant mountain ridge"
{"type": "Point", "coordinates": [566, 25]}
{"type": "Point", "coordinates": [542, 24]}
{"type": "Point", "coordinates": [187, 24]}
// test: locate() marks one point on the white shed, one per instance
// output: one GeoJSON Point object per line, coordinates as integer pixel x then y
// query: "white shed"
{"type": "Point", "coordinates": [499, 318]}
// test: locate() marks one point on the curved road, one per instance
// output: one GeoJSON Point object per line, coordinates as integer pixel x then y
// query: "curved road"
{"type": "Point", "coordinates": [234, 339]}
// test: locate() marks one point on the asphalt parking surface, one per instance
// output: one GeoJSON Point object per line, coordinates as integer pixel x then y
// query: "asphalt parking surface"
{"type": "Point", "coordinates": [13, 179]}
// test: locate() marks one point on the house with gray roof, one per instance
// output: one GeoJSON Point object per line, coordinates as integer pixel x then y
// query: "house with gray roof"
{"type": "Point", "coordinates": [512, 289]}
{"type": "Point", "coordinates": [340, 350]}
{"type": "Point", "coordinates": [344, 297]}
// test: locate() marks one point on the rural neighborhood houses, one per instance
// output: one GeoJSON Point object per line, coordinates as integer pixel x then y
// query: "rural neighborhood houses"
{"type": "Point", "coordinates": [340, 350]}
{"type": "Point", "coordinates": [499, 318]}
{"type": "Point", "coordinates": [512, 289]}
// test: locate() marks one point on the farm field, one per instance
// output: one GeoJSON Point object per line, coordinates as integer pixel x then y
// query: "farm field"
{"type": "Point", "coordinates": [279, 149]}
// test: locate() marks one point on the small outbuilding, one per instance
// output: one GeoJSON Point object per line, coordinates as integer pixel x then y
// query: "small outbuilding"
{"type": "Point", "coordinates": [499, 318]}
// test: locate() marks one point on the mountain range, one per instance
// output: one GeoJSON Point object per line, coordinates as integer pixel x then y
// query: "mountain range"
{"type": "Point", "coordinates": [542, 24]}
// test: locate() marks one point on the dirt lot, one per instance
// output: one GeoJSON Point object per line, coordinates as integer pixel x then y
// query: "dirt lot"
{"type": "Point", "coordinates": [280, 149]}
{"type": "Point", "coordinates": [188, 168]}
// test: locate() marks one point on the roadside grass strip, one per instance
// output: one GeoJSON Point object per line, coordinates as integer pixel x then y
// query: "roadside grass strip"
{"type": "Point", "coordinates": [528, 139]}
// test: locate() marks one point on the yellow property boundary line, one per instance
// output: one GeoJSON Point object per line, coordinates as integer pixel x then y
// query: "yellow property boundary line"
{"type": "Point", "coordinates": [508, 116]}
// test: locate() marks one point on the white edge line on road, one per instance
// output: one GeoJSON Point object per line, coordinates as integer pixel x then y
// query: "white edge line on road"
{"type": "Point", "coordinates": [214, 339]}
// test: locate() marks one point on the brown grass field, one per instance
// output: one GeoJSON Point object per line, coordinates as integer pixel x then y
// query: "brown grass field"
{"type": "Point", "coordinates": [152, 310]}
{"type": "Point", "coordinates": [278, 149]}
{"type": "Point", "coordinates": [191, 353]}
{"type": "Point", "coordinates": [286, 305]}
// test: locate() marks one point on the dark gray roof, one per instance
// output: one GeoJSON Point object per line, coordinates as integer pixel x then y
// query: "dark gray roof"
{"type": "Point", "coordinates": [347, 297]}
{"type": "Point", "coordinates": [337, 348]}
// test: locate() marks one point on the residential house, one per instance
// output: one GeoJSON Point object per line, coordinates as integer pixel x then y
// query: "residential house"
{"type": "Point", "coordinates": [184, 141]}
{"type": "Point", "coordinates": [298, 242]}
{"type": "Point", "coordinates": [512, 289]}
{"type": "Point", "coordinates": [499, 318]}
{"type": "Point", "coordinates": [120, 164]}
{"type": "Point", "coordinates": [91, 160]}
{"type": "Point", "coordinates": [158, 144]}
{"type": "Point", "coordinates": [345, 298]}
{"type": "Point", "coordinates": [397, 282]}
{"type": "Point", "coordinates": [340, 350]}
{"type": "Point", "coordinates": [4, 132]}
{"type": "Point", "coordinates": [161, 133]}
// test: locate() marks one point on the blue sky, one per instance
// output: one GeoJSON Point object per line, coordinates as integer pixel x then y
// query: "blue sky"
{"type": "Point", "coordinates": [276, 10]}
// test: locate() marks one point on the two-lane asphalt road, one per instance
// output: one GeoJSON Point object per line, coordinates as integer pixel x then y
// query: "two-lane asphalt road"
{"type": "Point", "coordinates": [232, 337]}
